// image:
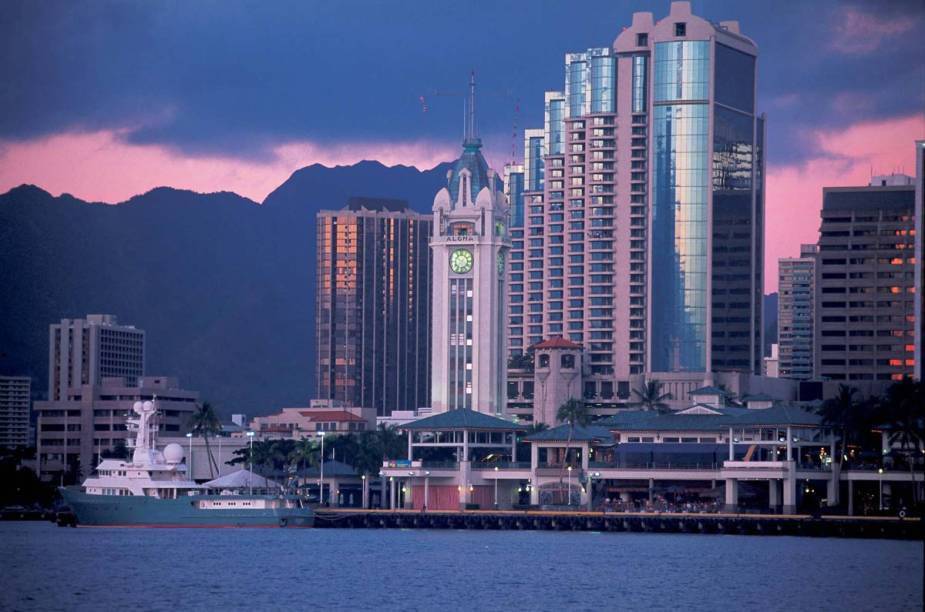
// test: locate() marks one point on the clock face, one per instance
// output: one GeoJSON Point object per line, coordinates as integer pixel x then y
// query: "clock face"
{"type": "Point", "coordinates": [500, 263]}
{"type": "Point", "coordinates": [461, 261]}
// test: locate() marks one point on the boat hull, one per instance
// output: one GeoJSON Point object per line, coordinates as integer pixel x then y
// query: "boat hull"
{"type": "Point", "coordinates": [140, 511]}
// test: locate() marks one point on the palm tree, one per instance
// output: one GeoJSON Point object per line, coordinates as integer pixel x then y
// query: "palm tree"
{"type": "Point", "coordinates": [575, 413]}
{"type": "Point", "coordinates": [841, 414]}
{"type": "Point", "coordinates": [905, 406]}
{"type": "Point", "coordinates": [651, 396]}
{"type": "Point", "coordinates": [204, 422]}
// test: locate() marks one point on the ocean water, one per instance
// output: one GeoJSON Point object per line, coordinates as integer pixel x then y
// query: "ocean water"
{"type": "Point", "coordinates": [44, 567]}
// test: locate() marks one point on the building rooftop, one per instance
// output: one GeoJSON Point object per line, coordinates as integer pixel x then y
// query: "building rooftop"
{"type": "Point", "coordinates": [462, 419]}
{"type": "Point", "coordinates": [580, 433]}
{"type": "Point", "coordinates": [721, 418]}
{"type": "Point", "coordinates": [330, 415]}
{"type": "Point", "coordinates": [557, 342]}
{"type": "Point", "coordinates": [358, 204]}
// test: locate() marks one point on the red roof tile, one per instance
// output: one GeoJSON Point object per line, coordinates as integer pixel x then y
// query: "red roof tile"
{"type": "Point", "coordinates": [557, 342]}
{"type": "Point", "coordinates": [331, 415]}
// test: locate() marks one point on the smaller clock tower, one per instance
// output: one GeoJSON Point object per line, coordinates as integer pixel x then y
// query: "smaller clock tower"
{"type": "Point", "coordinates": [470, 245]}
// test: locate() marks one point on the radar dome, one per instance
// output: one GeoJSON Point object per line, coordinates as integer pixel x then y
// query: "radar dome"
{"type": "Point", "coordinates": [173, 453]}
{"type": "Point", "coordinates": [149, 406]}
{"type": "Point", "coordinates": [138, 407]}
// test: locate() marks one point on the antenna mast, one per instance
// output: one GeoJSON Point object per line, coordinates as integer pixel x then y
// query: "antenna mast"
{"type": "Point", "coordinates": [470, 136]}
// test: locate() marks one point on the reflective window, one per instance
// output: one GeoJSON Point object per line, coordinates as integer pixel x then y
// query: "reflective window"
{"type": "Point", "coordinates": [639, 84]}
{"type": "Point", "coordinates": [555, 126]}
{"type": "Point", "coordinates": [534, 164]}
{"type": "Point", "coordinates": [603, 83]}
{"type": "Point", "coordinates": [735, 78]}
{"type": "Point", "coordinates": [575, 78]}
{"type": "Point", "coordinates": [682, 70]}
{"type": "Point", "coordinates": [679, 237]}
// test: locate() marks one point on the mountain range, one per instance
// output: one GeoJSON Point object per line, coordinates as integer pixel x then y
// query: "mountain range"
{"type": "Point", "coordinates": [223, 286]}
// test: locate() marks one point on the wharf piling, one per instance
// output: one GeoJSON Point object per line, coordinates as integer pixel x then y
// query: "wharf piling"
{"type": "Point", "coordinates": [741, 524]}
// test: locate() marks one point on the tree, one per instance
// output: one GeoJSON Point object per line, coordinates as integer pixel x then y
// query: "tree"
{"type": "Point", "coordinates": [574, 412]}
{"type": "Point", "coordinates": [521, 361]}
{"type": "Point", "coordinates": [204, 422]}
{"type": "Point", "coordinates": [905, 411]}
{"type": "Point", "coordinates": [841, 414]}
{"type": "Point", "coordinates": [118, 451]}
{"type": "Point", "coordinates": [651, 396]}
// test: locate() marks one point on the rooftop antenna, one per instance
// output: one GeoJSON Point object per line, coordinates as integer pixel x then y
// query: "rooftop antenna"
{"type": "Point", "coordinates": [470, 137]}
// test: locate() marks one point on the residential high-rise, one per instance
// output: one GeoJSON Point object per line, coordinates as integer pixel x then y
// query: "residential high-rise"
{"type": "Point", "coordinates": [84, 351]}
{"type": "Point", "coordinates": [865, 289]}
{"type": "Point", "coordinates": [470, 246]}
{"type": "Point", "coordinates": [643, 234]}
{"type": "Point", "coordinates": [795, 313]}
{"type": "Point", "coordinates": [372, 305]}
{"type": "Point", "coordinates": [919, 254]}
{"type": "Point", "coordinates": [15, 406]}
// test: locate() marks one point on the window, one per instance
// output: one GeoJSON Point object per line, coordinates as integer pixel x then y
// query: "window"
{"type": "Point", "coordinates": [680, 29]}
{"type": "Point", "coordinates": [544, 361]}
{"type": "Point", "coordinates": [642, 40]}
{"type": "Point", "coordinates": [567, 361]}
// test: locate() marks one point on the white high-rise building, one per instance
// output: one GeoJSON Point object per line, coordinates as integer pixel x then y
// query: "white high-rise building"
{"type": "Point", "coordinates": [796, 312]}
{"type": "Point", "coordinates": [84, 351]}
{"type": "Point", "coordinates": [470, 245]}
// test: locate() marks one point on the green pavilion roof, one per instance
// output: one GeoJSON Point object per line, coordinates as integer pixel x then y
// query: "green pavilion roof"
{"type": "Point", "coordinates": [462, 419]}
{"type": "Point", "coordinates": [645, 420]}
{"type": "Point", "coordinates": [579, 434]}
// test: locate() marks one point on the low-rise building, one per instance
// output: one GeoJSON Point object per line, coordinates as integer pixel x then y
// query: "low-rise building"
{"type": "Point", "coordinates": [326, 416]}
{"type": "Point", "coordinates": [72, 432]}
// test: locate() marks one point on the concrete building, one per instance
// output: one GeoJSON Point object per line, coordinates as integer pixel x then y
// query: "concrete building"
{"type": "Point", "coordinates": [15, 408]}
{"type": "Point", "coordinates": [650, 265]}
{"type": "Point", "coordinates": [325, 417]}
{"type": "Point", "coordinates": [865, 296]}
{"type": "Point", "coordinates": [772, 362]}
{"type": "Point", "coordinates": [470, 245]}
{"type": "Point", "coordinates": [372, 313]}
{"type": "Point", "coordinates": [796, 313]}
{"type": "Point", "coordinates": [84, 351]}
{"type": "Point", "coordinates": [91, 418]}
{"type": "Point", "coordinates": [919, 254]}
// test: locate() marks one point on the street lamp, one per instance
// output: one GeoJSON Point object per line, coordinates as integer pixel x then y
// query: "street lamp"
{"type": "Point", "coordinates": [426, 492]}
{"type": "Point", "coordinates": [880, 487]}
{"type": "Point", "coordinates": [250, 477]}
{"type": "Point", "coordinates": [189, 461]}
{"type": "Point", "coordinates": [320, 434]}
{"type": "Point", "coordinates": [496, 487]}
{"type": "Point", "coordinates": [569, 485]}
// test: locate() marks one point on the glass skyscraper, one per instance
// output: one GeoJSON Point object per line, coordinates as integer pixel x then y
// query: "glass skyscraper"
{"type": "Point", "coordinates": [642, 240]}
{"type": "Point", "coordinates": [373, 309]}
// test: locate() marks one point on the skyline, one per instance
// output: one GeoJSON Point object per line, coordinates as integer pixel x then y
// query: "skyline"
{"type": "Point", "coordinates": [237, 113]}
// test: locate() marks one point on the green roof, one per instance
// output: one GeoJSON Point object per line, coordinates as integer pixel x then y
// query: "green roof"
{"type": "Point", "coordinates": [579, 434]}
{"type": "Point", "coordinates": [708, 391]}
{"type": "Point", "coordinates": [644, 420]}
{"type": "Point", "coordinates": [462, 419]}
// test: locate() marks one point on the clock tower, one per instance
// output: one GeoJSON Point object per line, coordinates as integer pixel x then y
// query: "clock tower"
{"type": "Point", "coordinates": [470, 245]}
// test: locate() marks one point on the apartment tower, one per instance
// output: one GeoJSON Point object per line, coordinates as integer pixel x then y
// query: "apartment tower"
{"type": "Point", "coordinates": [865, 296]}
{"type": "Point", "coordinates": [796, 313]}
{"type": "Point", "coordinates": [372, 313]}
{"type": "Point", "coordinates": [643, 207]}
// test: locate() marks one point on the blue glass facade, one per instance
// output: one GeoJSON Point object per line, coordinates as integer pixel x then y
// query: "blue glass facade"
{"type": "Point", "coordinates": [603, 83]}
{"type": "Point", "coordinates": [576, 75]}
{"type": "Point", "coordinates": [534, 166]}
{"type": "Point", "coordinates": [555, 126]}
{"type": "Point", "coordinates": [640, 83]}
{"type": "Point", "coordinates": [679, 237]}
{"type": "Point", "coordinates": [682, 70]}
{"type": "Point", "coordinates": [516, 187]}
{"type": "Point", "coordinates": [735, 79]}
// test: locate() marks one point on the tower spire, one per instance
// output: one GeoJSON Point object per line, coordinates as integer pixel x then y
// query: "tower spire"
{"type": "Point", "coordinates": [470, 138]}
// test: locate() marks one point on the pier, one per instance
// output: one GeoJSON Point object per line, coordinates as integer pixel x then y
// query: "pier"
{"type": "Point", "coordinates": [647, 522]}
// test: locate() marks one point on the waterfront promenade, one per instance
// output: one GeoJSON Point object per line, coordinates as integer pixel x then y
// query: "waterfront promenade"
{"type": "Point", "coordinates": [634, 522]}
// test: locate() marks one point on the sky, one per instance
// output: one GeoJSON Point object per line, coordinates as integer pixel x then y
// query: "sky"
{"type": "Point", "coordinates": [105, 100]}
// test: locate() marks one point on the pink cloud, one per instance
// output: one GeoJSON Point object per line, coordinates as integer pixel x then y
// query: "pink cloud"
{"type": "Point", "coordinates": [100, 166]}
{"type": "Point", "coordinates": [857, 32]}
{"type": "Point", "coordinates": [794, 196]}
